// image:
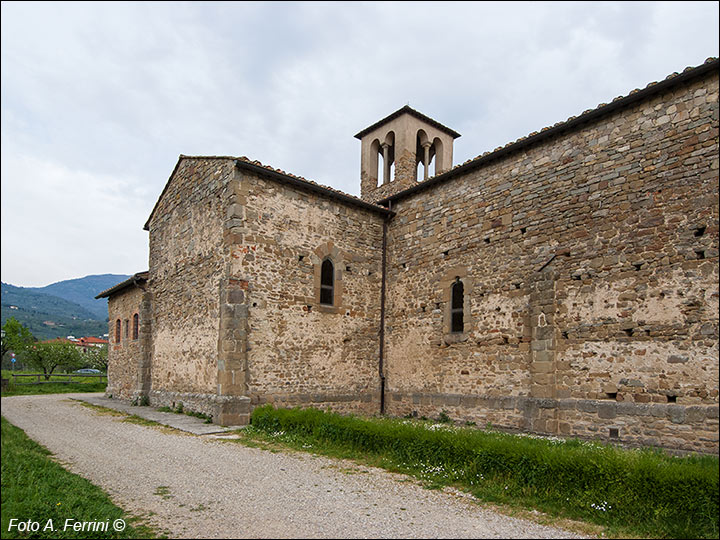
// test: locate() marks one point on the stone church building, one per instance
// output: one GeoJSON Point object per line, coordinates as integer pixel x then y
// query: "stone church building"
{"type": "Point", "coordinates": [566, 283]}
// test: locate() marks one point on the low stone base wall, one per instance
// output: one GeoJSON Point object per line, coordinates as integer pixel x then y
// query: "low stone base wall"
{"type": "Point", "coordinates": [120, 391]}
{"type": "Point", "coordinates": [224, 410]}
{"type": "Point", "coordinates": [131, 395]}
{"type": "Point", "coordinates": [670, 426]}
{"type": "Point", "coordinates": [363, 404]}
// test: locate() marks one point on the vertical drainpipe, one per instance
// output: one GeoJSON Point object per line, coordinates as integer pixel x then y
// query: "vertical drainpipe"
{"type": "Point", "coordinates": [381, 363]}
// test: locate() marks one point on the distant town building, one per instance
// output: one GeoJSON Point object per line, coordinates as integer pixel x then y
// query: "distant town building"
{"type": "Point", "coordinates": [85, 344]}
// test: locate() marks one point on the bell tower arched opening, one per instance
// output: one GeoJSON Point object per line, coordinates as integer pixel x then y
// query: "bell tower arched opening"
{"type": "Point", "coordinates": [401, 149]}
{"type": "Point", "coordinates": [425, 153]}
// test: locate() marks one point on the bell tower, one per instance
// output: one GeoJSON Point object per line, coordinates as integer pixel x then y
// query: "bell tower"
{"type": "Point", "coordinates": [400, 150]}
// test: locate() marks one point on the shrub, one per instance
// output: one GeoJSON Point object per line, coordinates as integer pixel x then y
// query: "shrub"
{"type": "Point", "coordinates": [645, 490]}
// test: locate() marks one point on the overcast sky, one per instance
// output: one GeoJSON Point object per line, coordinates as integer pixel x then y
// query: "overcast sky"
{"type": "Point", "coordinates": [100, 99]}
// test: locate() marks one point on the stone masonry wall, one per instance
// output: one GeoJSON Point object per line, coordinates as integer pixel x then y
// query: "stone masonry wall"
{"type": "Point", "coordinates": [187, 269]}
{"type": "Point", "coordinates": [593, 260]}
{"type": "Point", "coordinates": [299, 352]}
{"type": "Point", "coordinates": [403, 178]}
{"type": "Point", "coordinates": [129, 363]}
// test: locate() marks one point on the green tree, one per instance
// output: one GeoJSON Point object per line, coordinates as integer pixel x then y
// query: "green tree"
{"type": "Point", "coordinates": [50, 355]}
{"type": "Point", "coordinates": [97, 357]}
{"type": "Point", "coordinates": [16, 337]}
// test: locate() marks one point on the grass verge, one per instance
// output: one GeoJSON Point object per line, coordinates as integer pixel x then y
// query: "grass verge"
{"type": "Point", "coordinates": [131, 418]}
{"type": "Point", "coordinates": [181, 410]}
{"type": "Point", "coordinates": [37, 489]}
{"type": "Point", "coordinates": [90, 384]}
{"type": "Point", "coordinates": [630, 493]}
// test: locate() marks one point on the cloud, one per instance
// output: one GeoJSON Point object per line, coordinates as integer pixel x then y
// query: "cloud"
{"type": "Point", "coordinates": [103, 97]}
{"type": "Point", "coordinates": [69, 222]}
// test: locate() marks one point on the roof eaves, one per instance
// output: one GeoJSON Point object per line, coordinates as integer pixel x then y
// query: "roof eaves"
{"type": "Point", "coordinates": [711, 64]}
{"type": "Point", "coordinates": [409, 110]}
{"type": "Point", "coordinates": [140, 277]}
{"type": "Point", "coordinates": [263, 170]}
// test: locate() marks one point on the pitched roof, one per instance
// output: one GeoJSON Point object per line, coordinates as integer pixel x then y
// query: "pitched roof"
{"type": "Point", "coordinates": [653, 88]}
{"type": "Point", "coordinates": [140, 277]}
{"type": "Point", "coordinates": [93, 339]}
{"type": "Point", "coordinates": [257, 167]}
{"type": "Point", "coordinates": [408, 110]}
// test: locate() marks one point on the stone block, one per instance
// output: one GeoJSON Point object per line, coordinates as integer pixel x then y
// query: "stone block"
{"type": "Point", "coordinates": [540, 391]}
{"type": "Point", "coordinates": [676, 414]}
{"type": "Point", "coordinates": [236, 296]}
{"type": "Point", "coordinates": [659, 411]}
{"type": "Point", "coordinates": [563, 403]}
{"type": "Point", "coordinates": [453, 400]}
{"type": "Point", "coordinates": [544, 357]}
{"type": "Point", "coordinates": [544, 332]}
{"type": "Point", "coordinates": [588, 406]}
{"type": "Point", "coordinates": [545, 379]}
{"type": "Point", "coordinates": [695, 414]}
{"type": "Point", "coordinates": [610, 388]}
{"type": "Point", "coordinates": [541, 367]}
{"type": "Point", "coordinates": [607, 410]}
{"type": "Point", "coordinates": [469, 402]}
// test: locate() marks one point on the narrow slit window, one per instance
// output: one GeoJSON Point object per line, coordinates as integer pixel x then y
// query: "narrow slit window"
{"type": "Point", "coordinates": [135, 328]}
{"type": "Point", "coordinates": [118, 325]}
{"type": "Point", "coordinates": [457, 323]}
{"type": "Point", "coordinates": [327, 282]}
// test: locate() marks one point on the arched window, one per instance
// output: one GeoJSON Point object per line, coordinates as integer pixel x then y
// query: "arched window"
{"type": "Point", "coordinates": [457, 324]}
{"type": "Point", "coordinates": [135, 326]}
{"type": "Point", "coordinates": [118, 328]}
{"type": "Point", "coordinates": [327, 282]}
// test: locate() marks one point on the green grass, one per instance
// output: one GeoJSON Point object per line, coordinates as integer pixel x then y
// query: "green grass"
{"type": "Point", "coordinates": [139, 420]}
{"type": "Point", "coordinates": [130, 418]}
{"type": "Point", "coordinates": [90, 384]}
{"type": "Point", "coordinates": [628, 493]}
{"type": "Point", "coordinates": [181, 410]}
{"type": "Point", "coordinates": [36, 488]}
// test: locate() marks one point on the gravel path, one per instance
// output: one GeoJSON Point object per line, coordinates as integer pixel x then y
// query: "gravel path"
{"type": "Point", "coordinates": [203, 487]}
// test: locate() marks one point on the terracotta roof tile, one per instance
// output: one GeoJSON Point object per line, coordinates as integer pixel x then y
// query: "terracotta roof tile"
{"type": "Point", "coordinates": [135, 278]}
{"type": "Point", "coordinates": [93, 339]}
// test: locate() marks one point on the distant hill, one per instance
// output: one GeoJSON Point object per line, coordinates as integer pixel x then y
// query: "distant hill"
{"type": "Point", "coordinates": [82, 291]}
{"type": "Point", "coordinates": [61, 309]}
